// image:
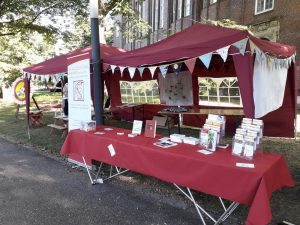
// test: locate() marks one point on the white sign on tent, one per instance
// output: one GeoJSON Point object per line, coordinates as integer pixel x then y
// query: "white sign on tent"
{"type": "Point", "coordinates": [79, 90]}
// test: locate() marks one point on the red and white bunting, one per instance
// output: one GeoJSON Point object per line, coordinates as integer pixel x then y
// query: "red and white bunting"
{"type": "Point", "coordinates": [122, 68]}
{"type": "Point", "coordinates": [223, 52]}
{"type": "Point", "coordinates": [152, 70]}
{"type": "Point", "coordinates": [113, 67]}
{"type": "Point", "coordinates": [141, 70]}
{"type": "Point", "coordinates": [241, 45]}
{"type": "Point", "coordinates": [164, 70]}
{"type": "Point", "coordinates": [205, 59]}
{"type": "Point", "coordinates": [190, 64]}
{"type": "Point", "coordinates": [131, 71]}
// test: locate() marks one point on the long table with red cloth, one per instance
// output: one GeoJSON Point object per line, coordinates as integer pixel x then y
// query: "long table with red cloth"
{"type": "Point", "coordinates": [215, 174]}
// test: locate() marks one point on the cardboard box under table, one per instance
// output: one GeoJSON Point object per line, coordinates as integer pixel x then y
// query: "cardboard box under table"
{"type": "Point", "coordinates": [214, 174]}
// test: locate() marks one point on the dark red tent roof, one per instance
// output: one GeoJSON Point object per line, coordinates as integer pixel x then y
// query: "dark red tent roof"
{"type": "Point", "coordinates": [194, 41]}
{"type": "Point", "coordinates": [59, 64]}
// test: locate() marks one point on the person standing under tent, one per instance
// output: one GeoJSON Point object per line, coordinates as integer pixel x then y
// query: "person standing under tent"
{"type": "Point", "coordinates": [65, 97]}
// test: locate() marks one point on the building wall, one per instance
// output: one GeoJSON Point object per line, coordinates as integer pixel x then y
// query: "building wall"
{"type": "Point", "coordinates": [281, 24]}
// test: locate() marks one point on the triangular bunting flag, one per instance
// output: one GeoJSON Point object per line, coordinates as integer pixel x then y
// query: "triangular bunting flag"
{"type": "Point", "coordinates": [152, 70]}
{"type": "Point", "coordinates": [164, 70]}
{"type": "Point", "coordinates": [206, 59]}
{"type": "Point", "coordinates": [122, 68]}
{"type": "Point", "coordinates": [105, 67]}
{"type": "Point", "coordinates": [113, 67]}
{"type": "Point", "coordinates": [223, 52]}
{"type": "Point", "coordinates": [131, 71]}
{"type": "Point", "coordinates": [252, 47]}
{"type": "Point", "coordinates": [241, 45]}
{"type": "Point", "coordinates": [141, 70]}
{"type": "Point", "coordinates": [190, 64]}
{"type": "Point", "coordinates": [177, 68]}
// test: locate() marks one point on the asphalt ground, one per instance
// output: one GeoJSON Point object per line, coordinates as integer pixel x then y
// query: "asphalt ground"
{"type": "Point", "coordinates": [38, 190]}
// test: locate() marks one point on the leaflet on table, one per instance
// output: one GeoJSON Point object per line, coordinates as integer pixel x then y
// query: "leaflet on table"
{"type": "Point", "coordinates": [177, 137]}
{"type": "Point", "coordinates": [165, 144]}
{"type": "Point", "coordinates": [150, 128]}
{"type": "Point", "coordinates": [191, 140]}
{"type": "Point", "coordinates": [212, 140]}
{"type": "Point", "coordinates": [248, 152]}
{"type": "Point", "coordinates": [217, 120]}
{"type": "Point", "coordinates": [238, 145]}
{"type": "Point", "coordinates": [137, 127]}
{"type": "Point", "coordinates": [215, 128]}
{"type": "Point", "coordinates": [203, 137]}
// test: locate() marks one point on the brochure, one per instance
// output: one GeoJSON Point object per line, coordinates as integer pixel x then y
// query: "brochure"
{"type": "Point", "coordinates": [150, 128]}
{"type": "Point", "coordinates": [165, 144]}
{"type": "Point", "coordinates": [137, 127]}
{"type": "Point", "coordinates": [212, 140]}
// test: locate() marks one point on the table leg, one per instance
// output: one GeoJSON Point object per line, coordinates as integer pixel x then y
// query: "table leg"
{"type": "Point", "coordinates": [179, 121]}
{"type": "Point", "coordinates": [133, 113]}
{"type": "Point", "coordinates": [143, 112]}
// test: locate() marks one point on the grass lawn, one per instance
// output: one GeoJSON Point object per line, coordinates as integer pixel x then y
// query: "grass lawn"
{"type": "Point", "coordinates": [285, 203]}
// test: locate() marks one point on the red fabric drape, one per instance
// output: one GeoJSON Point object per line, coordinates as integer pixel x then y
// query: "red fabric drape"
{"type": "Point", "coordinates": [244, 72]}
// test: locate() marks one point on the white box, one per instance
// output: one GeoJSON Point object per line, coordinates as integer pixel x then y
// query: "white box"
{"type": "Point", "coordinates": [177, 137]}
{"type": "Point", "coordinates": [191, 140]}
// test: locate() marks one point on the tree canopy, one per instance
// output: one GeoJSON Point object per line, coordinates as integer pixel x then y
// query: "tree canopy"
{"type": "Point", "coordinates": [29, 29]}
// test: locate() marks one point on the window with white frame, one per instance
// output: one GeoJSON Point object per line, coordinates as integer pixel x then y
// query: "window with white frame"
{"type": "Point", "coordinates": [140, 92]}
{"type": "Point", "coordinates": [161, 14]}
{"type": "Point", "coordinates": [179, 8]}
{"type": "Point", "coordinates": [187, 7]}
{"type": "Point", "coordinates": [262, 6]}
{"type": "Point", "coordinates": [219, 92]}
{"type": "Point", "coordinates": [213, 1]}
{"type": "Point", "coordinates": [144, 10]}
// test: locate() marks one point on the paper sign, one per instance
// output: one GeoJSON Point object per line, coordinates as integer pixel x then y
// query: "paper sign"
{"type": "Point", "coordinates": [111, 150]}
{"type": "Point", "coordinates": [248, 151]}
{"type": "Point", "coordinates": [238, 148]}
{"type": "Point", "coordinates": [137, 127]}
{"type": "Point", "coordinates": [245, 165]}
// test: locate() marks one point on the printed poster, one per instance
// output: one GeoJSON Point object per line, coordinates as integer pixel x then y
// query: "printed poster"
{"type": "Point", "coordinates": [79, 90]}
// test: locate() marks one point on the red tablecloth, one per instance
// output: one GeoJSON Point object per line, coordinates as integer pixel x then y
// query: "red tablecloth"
{"type": "Point", "coordinates": [214, 174]}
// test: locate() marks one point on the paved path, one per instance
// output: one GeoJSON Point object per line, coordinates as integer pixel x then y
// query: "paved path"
{"type": "Point", "coordinates": [38, 190]}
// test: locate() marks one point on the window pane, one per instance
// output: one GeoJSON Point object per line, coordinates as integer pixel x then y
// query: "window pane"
{"type": "Point", "coordinates": [235, 101]}
{"type": "Point", "coordinates": [187, 7]}
{"type": "Point", "coordinates": [269, 4]}
{"type": "Point", "coordinates": [213, 100]}
{"type": "Point", "coordinates": [139, 92]}
{"type": "Point", "coordinates": [223, 92]}
{"type": "Point", "coordinates": [213, 92]}
{"type": "Point", "coordinates": [179, 7]}
{"type": "Point", "coordinates": [260, 6]}
{"type": "Point", "coordinates": [203, 91]}
{"type": "Point", "coordinates": [224, 100]}
{"type": "Point", "coordinates": [234, 92]}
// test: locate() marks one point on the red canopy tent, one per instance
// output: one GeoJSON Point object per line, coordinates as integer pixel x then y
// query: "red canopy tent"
{"type": "Point", "coordinates": [59, 65]}
{"type": "Point", "coordinates": [199, 40]}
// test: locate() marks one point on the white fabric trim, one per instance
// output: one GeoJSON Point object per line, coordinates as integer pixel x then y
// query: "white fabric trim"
{"type": "Point", "coordinates": [268, 86]}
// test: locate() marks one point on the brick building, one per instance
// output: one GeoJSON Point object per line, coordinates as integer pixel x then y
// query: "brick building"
{"type": "Point", "coordinates": [276, 20]}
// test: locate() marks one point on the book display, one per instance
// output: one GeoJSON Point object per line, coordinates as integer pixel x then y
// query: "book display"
{"type": "Point", "coordinates": [246, 140]}
{"type": "Point", "coordinates": [212, 132]}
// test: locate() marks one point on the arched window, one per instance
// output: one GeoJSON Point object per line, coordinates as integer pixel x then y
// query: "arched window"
{"type": "Point", "coordinates": [219, 92]}
{"type": "Point", "coordinates": [140, 92]}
